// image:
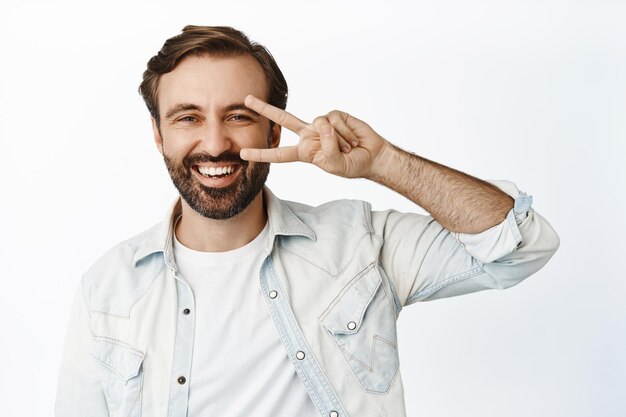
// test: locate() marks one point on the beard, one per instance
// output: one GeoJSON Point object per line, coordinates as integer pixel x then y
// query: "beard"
{"type": "Point", "coordinates": [223, 202]}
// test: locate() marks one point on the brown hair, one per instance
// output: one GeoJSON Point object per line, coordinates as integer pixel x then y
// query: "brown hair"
{"type": "Point", "coordinates": [210, 40]}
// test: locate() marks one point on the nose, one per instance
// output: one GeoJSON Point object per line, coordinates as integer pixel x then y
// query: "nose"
{"type": "Point", "coordinates": [214, 139]}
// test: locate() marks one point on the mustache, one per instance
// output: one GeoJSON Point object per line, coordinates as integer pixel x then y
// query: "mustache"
{"type": "Point", "coordinates": [226, 156]}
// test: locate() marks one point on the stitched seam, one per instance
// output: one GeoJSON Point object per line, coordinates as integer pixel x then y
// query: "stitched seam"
{"type": "Point", "coordinates": [136, 399]}
{"type": "Point", "coordinates": [315, 367]}
{"type": "Point", "coordinates": [394, 291]}
{"type": "Point", "coordinates": [370, 368]}
{"type": "Point", "coordinates": [512, 221]}
{"type": "Point", "coordinates": [308, 233]}
{"type": "Point", "coordinates": [454, 279]}
{"type": "Point", "coordinates": [367, 211]}
{"type": "Point", "coordinates": [110, 367]}
{"type": "Point", "coordinates": [432, 242]}
{"type": "Point", "coordinates": [154, 279]}
{"type": "Point", "coordinates": [305, 260]}
{"type": "Point", "coordinates": [116, 342]}
{"type": "Point", "coordinates": [376, 339]}
{"type": "Point", "coordinates": [345, 289]}
{"type": "Point", "coordinates": [319, 267]}
{"type": "Point", "coordinates": [288, 346]}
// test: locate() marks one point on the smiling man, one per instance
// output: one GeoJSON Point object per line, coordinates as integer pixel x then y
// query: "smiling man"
{"type": "Point", "coordinates": [205, 125]}
{"type": "Point", "coordinates": [243, 304]}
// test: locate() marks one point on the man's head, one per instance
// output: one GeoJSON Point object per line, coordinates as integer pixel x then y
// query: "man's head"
{"type": "Point", "coordinates": [194, 89]}
{"type": "Point", "coordinates": [218, 41]}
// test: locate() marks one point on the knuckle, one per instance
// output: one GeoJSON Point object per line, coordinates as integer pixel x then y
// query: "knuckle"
{"type": "Point", "coordinates": [334, 114]}
{"type": "Point", "coordinates": [320, 120]}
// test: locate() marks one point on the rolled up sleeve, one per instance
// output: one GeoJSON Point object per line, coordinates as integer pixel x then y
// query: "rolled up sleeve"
{"type": "Point", "coordinates": [424, 261]}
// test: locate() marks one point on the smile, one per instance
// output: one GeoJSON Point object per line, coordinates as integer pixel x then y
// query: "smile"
{"type": "Point", "coordinates": [216, 172]}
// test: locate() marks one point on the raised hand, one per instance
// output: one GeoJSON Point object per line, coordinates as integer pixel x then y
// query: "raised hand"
{"type": "Point", "coordinates": [338, 143]}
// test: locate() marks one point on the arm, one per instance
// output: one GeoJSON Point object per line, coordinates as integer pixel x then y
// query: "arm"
{"type": "Point", "coordinates": [461, 203]}
{"type": "Point", "coordinates": [346, 146]}
{"type": "Point", "coordinates": [480, 235]}
{"type": "Point", "coordinates": [424, 261]}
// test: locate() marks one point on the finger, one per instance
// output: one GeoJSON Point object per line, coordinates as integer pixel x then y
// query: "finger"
{"type": "Point", "coordinates": [275, 114]}
{"type": "Point", "coordinates": [343, 144]}
{"type": "Point", "coordinates": [283, 154]}
{"type": "Point", "coordinates": [329, 140]}
{"type": "Point", "coordinates": [338, 120]}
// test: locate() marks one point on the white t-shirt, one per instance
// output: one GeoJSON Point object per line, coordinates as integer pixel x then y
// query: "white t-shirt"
{"type": "Point", "coordinates": [239, 366]}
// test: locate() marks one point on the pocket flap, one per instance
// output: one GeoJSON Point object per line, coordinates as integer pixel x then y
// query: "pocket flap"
{"type": "Point", "coordinates": [121, 358]}
{"type": "Point", "coordinates": [346, 315]}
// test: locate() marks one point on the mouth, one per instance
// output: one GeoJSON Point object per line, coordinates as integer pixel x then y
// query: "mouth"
{"type": "Point", "coordinates": [217, 176]}
{"type": "Point", "coordinates": [216, 172]}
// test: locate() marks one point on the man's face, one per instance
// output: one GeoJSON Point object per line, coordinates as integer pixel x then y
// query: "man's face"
{"type": "Point", "coordinates": [203, 126]}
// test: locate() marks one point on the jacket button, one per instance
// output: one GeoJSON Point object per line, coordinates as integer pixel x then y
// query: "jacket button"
{"type": "Point", "coordinates": [273, 294]}
{"type": "Point", "coordinates": [186, 312]}
{"type": "Point", "coordinates": [333, 414]}
{"type": "Point", "coordinates": [351, 325]}
{"type": "Point", "coordinates": [182, 380]}
{"type": "Point", "coordinates": [300, 355]}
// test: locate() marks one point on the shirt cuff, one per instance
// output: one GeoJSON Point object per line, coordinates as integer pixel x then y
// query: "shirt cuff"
{"type": "Point", "coordinates": [501, 239]}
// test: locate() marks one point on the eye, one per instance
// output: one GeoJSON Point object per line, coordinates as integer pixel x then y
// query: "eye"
{"type": "Point", "coordinates": [239, 118]}
{"type": "Point", "coordinates": [187, 119]}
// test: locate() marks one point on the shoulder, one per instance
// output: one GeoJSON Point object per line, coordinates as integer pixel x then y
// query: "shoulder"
{"type": "Point", "coordinates": [122, 275]}
{"type": "Point", "coordinates": [339, 228]}
{"type": "Point", "coordinates": [337, 215]}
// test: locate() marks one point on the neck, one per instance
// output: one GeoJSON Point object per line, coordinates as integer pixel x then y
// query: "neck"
{"type": "Point", "coordinates": [209, 235]}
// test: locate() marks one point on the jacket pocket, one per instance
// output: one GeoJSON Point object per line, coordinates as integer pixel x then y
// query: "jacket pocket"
{"type": "Point", "coordinates": [362, 322]}
{"type": "Point", "coordinates": [121, 375]}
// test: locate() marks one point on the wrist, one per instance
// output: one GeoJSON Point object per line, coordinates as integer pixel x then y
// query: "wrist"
{"type": "Point", "coordinates": [383, 162]}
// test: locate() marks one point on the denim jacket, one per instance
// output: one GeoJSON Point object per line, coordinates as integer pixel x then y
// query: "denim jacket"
{"type": "Point", "coordinates": [335, 278]}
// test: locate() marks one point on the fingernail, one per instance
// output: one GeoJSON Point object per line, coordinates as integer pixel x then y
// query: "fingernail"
{"type": "Point", "coordinates": [326, 130]}
{"type": "Point", "coordinates": [355, 143]}
{"type": "Point", "coordinates": [346, 149]}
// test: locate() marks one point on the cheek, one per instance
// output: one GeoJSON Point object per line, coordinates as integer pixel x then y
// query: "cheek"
{"type": "Point", "coordinates": [258, 136]}
{"type": "Point", "coordinates": [176, 148]}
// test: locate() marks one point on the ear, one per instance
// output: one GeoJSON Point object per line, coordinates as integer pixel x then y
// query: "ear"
{"type": "Point", "coordinates": [158, 140]}
{"type": "Point", "coordinates": [276, 130]}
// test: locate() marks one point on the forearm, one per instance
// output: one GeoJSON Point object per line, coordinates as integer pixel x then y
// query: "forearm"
{"type": "Point", "coordinates": [459, 202]}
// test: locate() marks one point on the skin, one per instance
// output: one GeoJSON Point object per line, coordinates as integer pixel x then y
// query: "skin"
{"type": "Point", "coordinates": [459, 202]}
{"type": "Point", "coordinates": [338, 143]}
{"type": "Point", "coordinates": [214, 85]}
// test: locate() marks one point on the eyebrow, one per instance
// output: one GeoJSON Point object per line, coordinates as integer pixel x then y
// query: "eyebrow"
{"type": "Point", "coordinates": [190, 106]}
{"type": "Point", "coordinates": [179, 108]}
{"type": "Point", "coordinates": [241, 106]}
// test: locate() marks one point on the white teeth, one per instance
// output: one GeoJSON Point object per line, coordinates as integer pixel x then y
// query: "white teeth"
{"type": "Point", "coordinates": [212, 171]}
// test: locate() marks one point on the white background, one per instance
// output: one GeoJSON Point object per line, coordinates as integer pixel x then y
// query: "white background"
{"type": "Point", "coordinates": [533, 92]}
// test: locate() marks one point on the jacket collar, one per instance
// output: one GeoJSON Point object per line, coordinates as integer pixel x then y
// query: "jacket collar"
{"type": "Point", "coordinates": [282, 221]}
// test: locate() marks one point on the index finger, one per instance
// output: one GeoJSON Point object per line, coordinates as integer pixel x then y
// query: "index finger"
{"type": "Point", "coordinates": [284, 154]}
{"type": "Point", "coordinates": [275, 114]}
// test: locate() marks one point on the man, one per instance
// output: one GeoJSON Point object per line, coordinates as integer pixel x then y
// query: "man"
{"type": "Point", "coordinates": [242, 304]}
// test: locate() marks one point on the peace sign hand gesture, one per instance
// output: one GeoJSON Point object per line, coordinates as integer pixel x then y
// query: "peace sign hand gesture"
{"type": "Point", "coordinates": [338, 143]}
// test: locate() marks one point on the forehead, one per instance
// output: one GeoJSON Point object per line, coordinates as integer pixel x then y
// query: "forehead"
{"type": "Point", "coordinates": [211, 82]}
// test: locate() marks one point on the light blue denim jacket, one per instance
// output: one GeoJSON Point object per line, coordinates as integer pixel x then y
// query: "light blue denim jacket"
{"type": "Point", "coordinates": [335, 278]}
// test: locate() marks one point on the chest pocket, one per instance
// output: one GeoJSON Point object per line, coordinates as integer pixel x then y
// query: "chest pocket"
{"type": "Point", "coordinates": [362, 323]}
{"type": "Point", "coordinates": [121, 376]}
